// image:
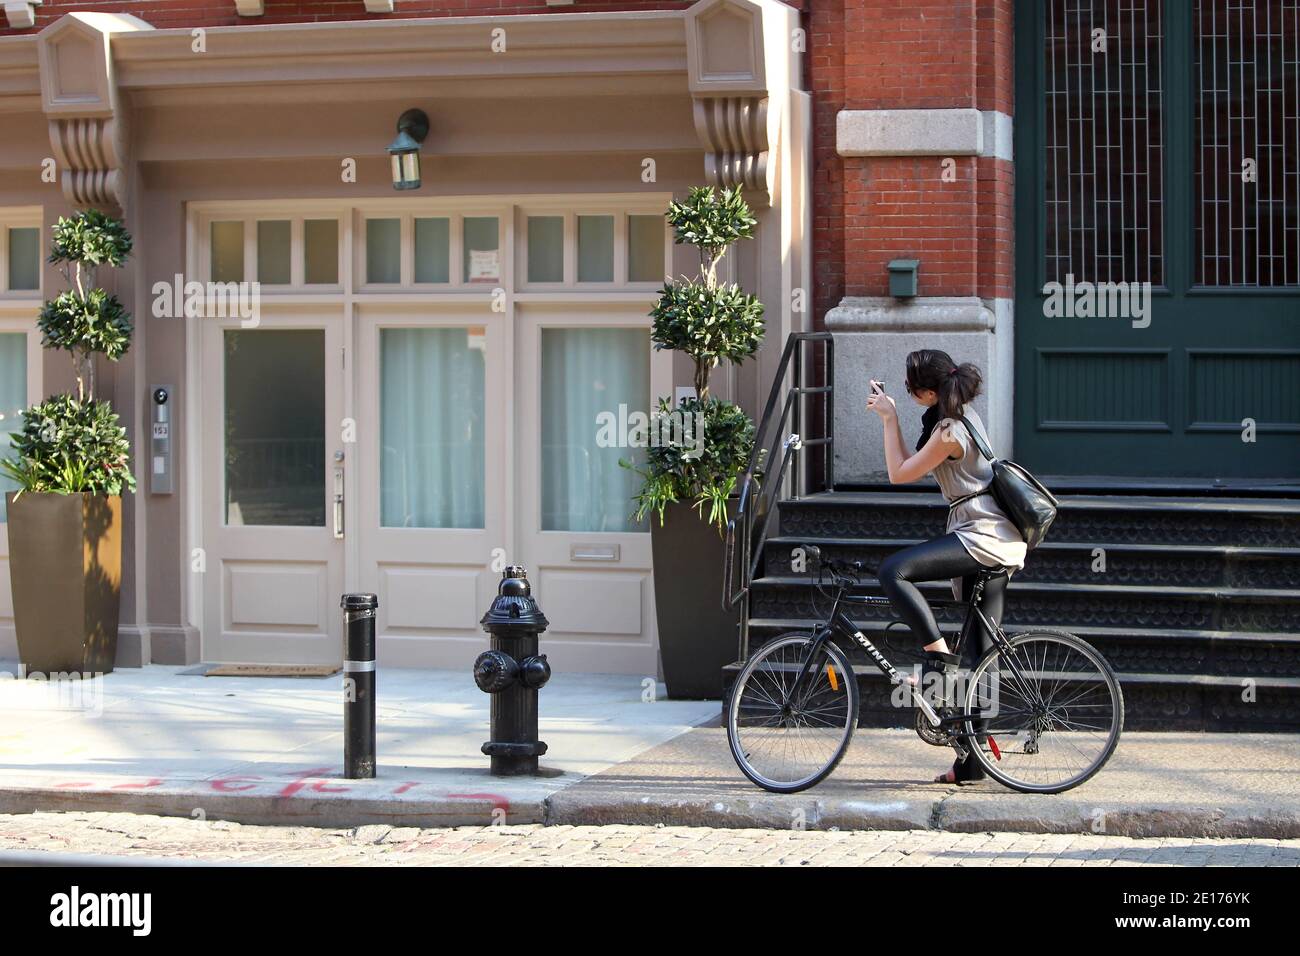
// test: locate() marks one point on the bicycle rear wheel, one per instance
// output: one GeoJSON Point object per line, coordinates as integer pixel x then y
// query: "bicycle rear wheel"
{"type": "Point", "coordinates": [783, 738]}
{"type": "Point", "coordinates": [1050, 712]}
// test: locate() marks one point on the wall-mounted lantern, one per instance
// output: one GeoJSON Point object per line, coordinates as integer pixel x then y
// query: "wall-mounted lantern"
{"type": "Point", "coordinates": [902, 277]}
{"type": "Point", "coordinates": [412, 127]}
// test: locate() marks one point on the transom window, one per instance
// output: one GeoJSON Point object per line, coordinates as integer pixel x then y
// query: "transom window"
{"type": "Point", "coordinates": [548, 245]}
{"type": "Point", "coordinates": [298, 252]}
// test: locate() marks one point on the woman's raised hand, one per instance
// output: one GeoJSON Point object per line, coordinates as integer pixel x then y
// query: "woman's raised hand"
{"type": "Point", "coordinates": [880, 403]}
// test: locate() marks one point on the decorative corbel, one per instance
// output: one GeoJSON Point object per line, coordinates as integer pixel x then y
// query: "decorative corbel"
{"type": "Point", "coordinates": [728, 73]}
{"type": "Point", "coordinates": [250, 8]}
{"type": "Point", "coordinates": [79, 95]}
{"type": "Point", "coordinates": [21, 14]}
{"type": "Point", "coordinates": [379, 6]}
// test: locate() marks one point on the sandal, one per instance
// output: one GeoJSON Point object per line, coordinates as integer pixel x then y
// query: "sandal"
{"type": "Point", "coordinates": [963, 771]}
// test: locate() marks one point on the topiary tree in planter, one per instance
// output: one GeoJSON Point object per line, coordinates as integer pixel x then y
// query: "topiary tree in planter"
{"type": "Point", "coordinates": [711, 322]}
{"type": "Point", "coordinates": [71, 465]}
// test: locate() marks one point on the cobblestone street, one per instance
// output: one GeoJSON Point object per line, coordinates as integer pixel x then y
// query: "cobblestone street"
{"type": "Point", "coordinates": [116, 834]}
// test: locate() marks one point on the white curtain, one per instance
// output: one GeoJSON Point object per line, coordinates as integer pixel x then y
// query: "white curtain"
{"type": "Point", "coordinates": [13, 398]}
{"type": "Point", "coordinates": [587, 372]}
{"type": "Point", "coordinates": [432, 471]}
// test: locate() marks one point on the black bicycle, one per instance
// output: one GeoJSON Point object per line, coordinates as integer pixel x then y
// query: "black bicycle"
{"type": "Point", "coordinates": [1042, 710]}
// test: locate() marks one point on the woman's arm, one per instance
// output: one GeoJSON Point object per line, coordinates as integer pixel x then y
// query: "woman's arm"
{"type": "Point", "coordinates": [902, 468]}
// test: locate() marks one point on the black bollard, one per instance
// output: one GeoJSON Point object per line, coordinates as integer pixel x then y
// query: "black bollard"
{"type": "Point", "coordinates": [359, 685]}
{"type": "Point", "coordinates": [512, 672]}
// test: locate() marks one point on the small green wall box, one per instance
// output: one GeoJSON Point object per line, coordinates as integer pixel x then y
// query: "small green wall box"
{"type": "Point", "coordinates": [902, 277]}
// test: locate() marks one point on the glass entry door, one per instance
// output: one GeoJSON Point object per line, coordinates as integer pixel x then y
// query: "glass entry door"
{"type": "Point", "coordinates": [583, 376]}
{"type": "Point", "coordinates": [432, 412]}
{"type": "Point", "coordinates": [275, 508]}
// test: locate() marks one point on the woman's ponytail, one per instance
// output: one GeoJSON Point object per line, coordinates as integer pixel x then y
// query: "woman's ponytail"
{"type": "Point", "coordinates": [959, 387]}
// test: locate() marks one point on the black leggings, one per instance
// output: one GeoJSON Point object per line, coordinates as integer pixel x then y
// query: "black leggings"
{"type": "Point", "coordinates": [937, 560]}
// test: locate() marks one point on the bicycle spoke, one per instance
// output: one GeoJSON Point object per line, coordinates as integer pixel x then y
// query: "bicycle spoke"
{"type": "Point", "coordinates": [1053, 711]}
{"type": "Point", "coordinates": [785, 735]}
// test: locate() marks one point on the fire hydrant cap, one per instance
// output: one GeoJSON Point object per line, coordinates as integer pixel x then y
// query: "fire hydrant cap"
{"type": "Point", "coordinates": [514, 607]}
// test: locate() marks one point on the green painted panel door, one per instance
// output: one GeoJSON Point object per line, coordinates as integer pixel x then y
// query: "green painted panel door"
{"type": "Point", "coordinates": [1157, 151]}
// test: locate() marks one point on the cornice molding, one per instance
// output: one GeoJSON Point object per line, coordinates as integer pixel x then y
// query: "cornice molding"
{"type": "Point", "coordinates": [556, 45]}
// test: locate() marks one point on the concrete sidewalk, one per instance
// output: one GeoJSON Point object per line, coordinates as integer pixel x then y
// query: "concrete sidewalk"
{"type": "Point", "coordinates": [1155, 785]}
{"type": "Point", "coordinates": [268, 750]}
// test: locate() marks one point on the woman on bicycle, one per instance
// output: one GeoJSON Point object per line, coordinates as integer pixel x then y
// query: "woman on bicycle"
{"type": "Point", "coordinates": [978, 534]}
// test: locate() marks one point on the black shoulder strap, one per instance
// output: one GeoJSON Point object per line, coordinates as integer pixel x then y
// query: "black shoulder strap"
{"type": "Point", "coordinates": [979, 441]}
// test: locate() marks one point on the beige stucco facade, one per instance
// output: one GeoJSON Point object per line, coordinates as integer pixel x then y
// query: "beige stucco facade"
{"type": "Point", "coordinates": [569, 113]}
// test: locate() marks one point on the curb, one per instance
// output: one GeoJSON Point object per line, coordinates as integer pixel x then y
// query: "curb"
{"type": "Point", "coordinates": [342, 812]}
{"type": "Point", "coordinates": [578, 807]}
{"type": "Point", "coordinates": [1010, 813]}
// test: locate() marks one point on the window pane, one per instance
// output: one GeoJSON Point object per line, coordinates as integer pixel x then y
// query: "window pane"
{"type": "Point", "coordinates": [275, 460]}
{"type": "Point", "coordinates": [1103, 163]}
{"type": "Point", "coordinates": [227, 251]}
{"type": "Point", "coordinates": [590, 379]}
{"type": "Point", "coordinates": [383, 250]}
{"type": "Point", "coordinates": [320, 239]}
{"type": "Point", "coordinates": [433, 250]}
{"type": "Point", "coordinates": [24, 259]}
{"type": "Point", "coordinates": [595, 248]}
{"type": "Point", "coordinates": [482, 252]}
{"type": "Point", "coordinates": [273, 241]}
{"type": "Point", "coordinates": [645, 248]}
{"type": "Point", "coordinates": [432, 472]}
{"type": "Point", "coordinates": [545, 248]}
{"type": "Point", "coordinates": [1247, 79]}
{"type": "Point", "coordinates": [13, 398]}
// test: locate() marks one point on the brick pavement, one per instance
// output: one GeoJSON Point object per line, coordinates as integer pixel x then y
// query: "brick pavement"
{"type": "Point", "coordinates": [128, 835]}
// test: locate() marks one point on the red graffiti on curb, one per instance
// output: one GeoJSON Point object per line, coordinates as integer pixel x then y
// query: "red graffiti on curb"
{"type": "Point", "coordinates": [227, 784]}
{"type": "Point", "coordinates": [406, 786]}
{"type": "Point", "coordinates": [319, 786]}
{"type": "Point", "coordinates": [151, 782]}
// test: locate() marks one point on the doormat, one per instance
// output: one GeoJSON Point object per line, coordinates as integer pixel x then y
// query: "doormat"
{"type": "Point", "coordinates": [272, 670]}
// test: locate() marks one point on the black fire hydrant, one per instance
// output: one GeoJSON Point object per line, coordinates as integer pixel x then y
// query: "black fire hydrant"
{"type": "Point", "coordinates": [512, 672]}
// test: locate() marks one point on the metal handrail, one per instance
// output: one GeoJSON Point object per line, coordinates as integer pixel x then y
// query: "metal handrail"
{"type": "Point", "coordinates": [758, 489]}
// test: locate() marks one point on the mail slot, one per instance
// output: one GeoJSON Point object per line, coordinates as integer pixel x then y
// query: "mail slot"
{"type": "Point", "coordinates": [594, 552]}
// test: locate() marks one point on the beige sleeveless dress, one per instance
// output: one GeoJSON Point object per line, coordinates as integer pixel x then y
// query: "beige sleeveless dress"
{"type": "Point", "coordinates": [988, 534]}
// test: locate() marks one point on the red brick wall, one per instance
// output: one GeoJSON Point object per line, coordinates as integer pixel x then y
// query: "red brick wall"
{"type": "Point", "coordinates": [910, 54]}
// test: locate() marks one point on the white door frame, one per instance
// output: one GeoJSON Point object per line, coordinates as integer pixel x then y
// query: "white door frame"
{"type": "Point", "coordinates": [443, 575]}
{"type": "Point", "coordinates": [292, 616]}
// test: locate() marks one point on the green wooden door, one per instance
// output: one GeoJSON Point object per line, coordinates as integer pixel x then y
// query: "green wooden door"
{"type": "Point", "coordinates": [1158, 142]}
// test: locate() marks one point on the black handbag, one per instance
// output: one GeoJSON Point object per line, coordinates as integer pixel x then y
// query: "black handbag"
{"type": "Point", "coordinates": [1021, 496]}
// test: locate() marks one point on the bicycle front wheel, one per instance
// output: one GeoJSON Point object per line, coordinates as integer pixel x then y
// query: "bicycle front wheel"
{"type": "Point", "coordinates": [1049, 712]}
{"type": "Point", "coordinates": [788, 732]}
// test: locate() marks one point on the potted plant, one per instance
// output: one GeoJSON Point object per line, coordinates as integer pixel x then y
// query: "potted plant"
{"type": "Point", "coordinates": [71, 463]}
{"type": "Point", "coordinates": [704, 446]}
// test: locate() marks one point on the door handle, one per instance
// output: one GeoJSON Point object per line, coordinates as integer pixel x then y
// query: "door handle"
{"type": "Point", "coordinates": [338, 501]}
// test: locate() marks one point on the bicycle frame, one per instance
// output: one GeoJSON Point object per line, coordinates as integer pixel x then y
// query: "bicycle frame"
{"type": "Point", "coordinates": [838, 622]}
